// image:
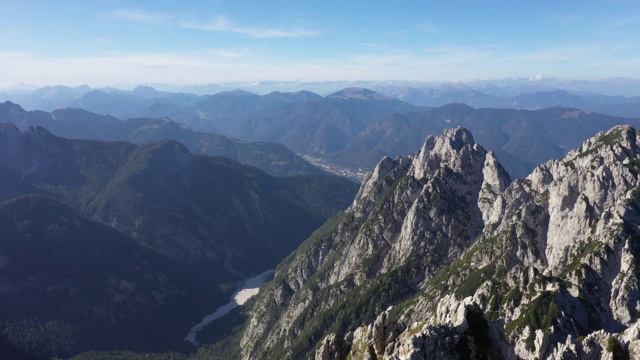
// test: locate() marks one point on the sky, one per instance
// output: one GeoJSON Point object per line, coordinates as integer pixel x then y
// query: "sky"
{"type": "Point", "coordinates": [122, 43]}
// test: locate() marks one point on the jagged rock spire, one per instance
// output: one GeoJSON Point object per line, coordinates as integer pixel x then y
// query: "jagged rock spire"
{"type": "Point", "coordinates": [425, 208]}
{"type": "Point", "coordinates": [449, 149]}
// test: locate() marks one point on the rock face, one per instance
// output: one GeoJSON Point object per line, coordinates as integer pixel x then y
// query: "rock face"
{"type": "Point", "coordinates": [475, 265]}
{"type": "Point", "coordinates": [412, 216]}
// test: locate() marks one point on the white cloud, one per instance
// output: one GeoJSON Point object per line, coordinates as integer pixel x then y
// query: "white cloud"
{"type": "Point", "coordinates": [539, 77]}
{"type": "Point", "coordinates": [246, 65]}
{"type": "Point", "coordinates": [221, 23]}
{"type": "Point", "coordinates": [228, 54]}
{"type": "Point", "coordinates": [141, 16]}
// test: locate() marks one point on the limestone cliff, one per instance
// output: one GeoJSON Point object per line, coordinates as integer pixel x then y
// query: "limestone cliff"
{"type": "Point", "coordinates": [473, 266]}
{"type": "Point", "coordinates": [412, 216]}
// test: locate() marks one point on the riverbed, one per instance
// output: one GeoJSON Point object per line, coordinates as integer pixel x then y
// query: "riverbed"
{"type": "Point", "coordinates": [249, 288]}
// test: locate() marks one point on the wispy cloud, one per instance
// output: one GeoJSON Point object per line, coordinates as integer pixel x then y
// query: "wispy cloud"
{"type": "Point", "coordinates": [220, 23]}
{"type": "Point", "coordinates": [555, 55]}
{"type": "Point", "coordinates": [488, 62]}
{"type": "Point", "coordinates": [250, 64]}
{"type": "Point", "coordinates": [227, 54]}
{"type": "Point", "coordinates": [141, 16]}
{"type": "Point", "coordinates": [428, 28]}
{"type": "Point", "coordinates": [223, 53]}
{"type": "Point", "coordinates": [631, 19]}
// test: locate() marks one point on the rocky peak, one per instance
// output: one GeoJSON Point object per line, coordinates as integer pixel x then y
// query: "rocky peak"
{"type": "Point", "coordinates": [10, 109]}
{"type": "Point", "coordinates": [145, 91]}
{"type": "Point", "coordinates": [34, 152]}
{"type": "Point", "coordinates": [455, 148]}
{"type": "Point", "coordinates": [355, 93]}
{"type": "Point", "coordinates": [582, 196]}
{"type": "Point", "coordinates": [378, 181]}
{"type": "Point", "coordinates": [458, 137]}
{"type": "Point", "coordinates": [413, 214]}
{"type": "Point", "coordinates": [495, 180]}
{"type": "Point", "coordinates": [524, 269]}
{"type": "Point", "coordinates": [617, 144]}
{"type": "Point", "coordinates": [565, 236]}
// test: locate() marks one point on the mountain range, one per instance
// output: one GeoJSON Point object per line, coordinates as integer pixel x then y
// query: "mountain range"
{"type": "Point", "coordinates": [78, 216]}
{"type": "Point", "coordinates": [81, 124]}
{"type": "Point", "coordinates": [521, 139]}
{"type": "Point", "coordinates": [49, 98]}
{"type": "Point", "coordinates": [189, 206]}
{"type": "Point", "coordinates": [442, 256]}
{"type": "Point", "coordinates": [615, 97]}
{"type": "Point", "coordinates": [454, 251]}
{"type": "Point", "coordinates": [351, 128]}
{"type": "Point", "coordinates": [604, 104]}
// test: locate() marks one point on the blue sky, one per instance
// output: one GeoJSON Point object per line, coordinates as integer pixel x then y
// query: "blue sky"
{"type": "Point", "coordinates": [121, 43]}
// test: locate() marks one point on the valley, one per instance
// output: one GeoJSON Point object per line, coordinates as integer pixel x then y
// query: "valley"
{"type": "Point", "coordinates": [170, 229]}
{"type": "Point", "coordinates": [247, 290]}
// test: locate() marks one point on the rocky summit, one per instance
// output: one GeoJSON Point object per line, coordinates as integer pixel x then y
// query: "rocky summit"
{"type": "Point", "coordinates": [442, 256]}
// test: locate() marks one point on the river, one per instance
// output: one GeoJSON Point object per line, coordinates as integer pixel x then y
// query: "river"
{"type": "Point", "coordinates": [248, 289]}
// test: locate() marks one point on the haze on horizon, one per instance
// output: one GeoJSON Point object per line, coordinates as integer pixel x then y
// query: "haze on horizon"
{"type": "Point", "coordinates": [121, 42]}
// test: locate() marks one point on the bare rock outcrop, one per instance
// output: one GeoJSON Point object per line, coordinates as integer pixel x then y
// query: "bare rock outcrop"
{"type": "Point", "coordinates": [544, 267]}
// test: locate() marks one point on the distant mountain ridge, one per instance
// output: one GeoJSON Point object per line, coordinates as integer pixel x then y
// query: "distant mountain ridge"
{"type": "Point", "coordinates": [478, 94]}
{"type": "Point", "coordinates": [344, 128]}
{"type": "Point", "coordinates": [608, 105]}
{"type": "Point", "coordinates": [191, 109]}
{"type": "Point", "coordinates": [521, 139]}
{"type": "Point", "coordinates": [49, 98]}
{"type": "Point", "coordinates": [319, 127]}
{"type": "Point", "coordinates": [81, 124]}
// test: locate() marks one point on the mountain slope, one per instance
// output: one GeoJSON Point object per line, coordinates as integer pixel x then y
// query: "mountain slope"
{"type": "Point", "coordinates": [326, 195]}
{"type": "Point", "coordinates": [221, 219]}
{"type": "Point", "coordinates": [271, 157]}
{"type": "Point", "coordinates": [351, 128]}
{"type": "Point", "coordinates": [521, 139]}
{"type": "Point", "coordinates": [212, 213]}
{"type": "Point", "coordinates": [441, 96]}
{"type": "Point", "coordinates": [70, 284]}
{"type": "Point", "coordinates": [532, 98]}
{"type": "Point", "coordinates": [474, 264]}
{"type": "Point", "coordinates": [321, 126]}
{"type": "Point", "coordinates": [46, 98]}
{"type": "Point", "coordinates": [123, 104]}
{"type": "Point", "coordinates": [382, 248]}
{"type": "Point", "coordinates": [238, 103]}
{"type": "Point", "coordinates": [80, 124]}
